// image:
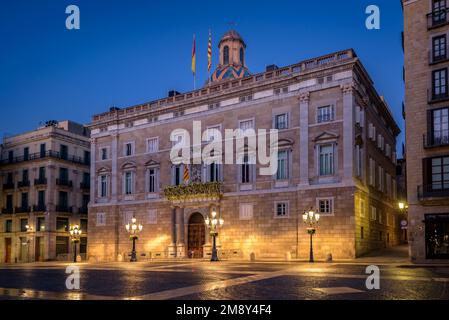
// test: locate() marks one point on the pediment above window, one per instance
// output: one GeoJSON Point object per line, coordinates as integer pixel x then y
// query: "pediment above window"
{"type": "Point", "coordinates": [103, 170]}
{"type": "Point", "coordinates": [129, 165]}
{"type": "Point", "coordinates": [152, 163]}
{"type": "Point", "coordinates": [325, 136]}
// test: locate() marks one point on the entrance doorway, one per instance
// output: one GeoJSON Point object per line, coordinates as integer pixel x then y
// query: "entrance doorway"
{"type": "Point", "coordinates": [39, 249]}
{"type": "Point", "coordinates": [196, 235]}
{"type": "Point", "coordinates": [8, 247]}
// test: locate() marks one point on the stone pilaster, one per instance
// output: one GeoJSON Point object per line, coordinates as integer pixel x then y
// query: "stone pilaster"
{"type": "Point", "coordinates": [114, 155]}
{"type": "Point", "coordinates": [348, 131]}
{"type": "Point", "coordinates": [304, 138]}
{"type": "Point", "coordinates": [93, 151]}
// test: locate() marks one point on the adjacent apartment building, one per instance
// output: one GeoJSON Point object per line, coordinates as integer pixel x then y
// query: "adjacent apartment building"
{"type": "Point", "coordinates": [44, 188]}
{"type": "Point", "coordinates": [426, 31]}
{"type": "Point", "coordinates": [337, 154]}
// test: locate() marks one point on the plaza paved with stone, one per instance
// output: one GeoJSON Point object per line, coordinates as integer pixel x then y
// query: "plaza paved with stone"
{"type": "Point", "coordinates": [225, 280]}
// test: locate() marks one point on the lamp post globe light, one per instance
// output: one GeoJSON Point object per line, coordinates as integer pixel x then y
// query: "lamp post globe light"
{"type": "Point", "coordinates": [133, 229]}
{"type": "Point", "coordinates": [311, 218]}
{"type": "Point", "coordinates": [213, 224]}
{"type": "Point", "coordinates": [75, 234]}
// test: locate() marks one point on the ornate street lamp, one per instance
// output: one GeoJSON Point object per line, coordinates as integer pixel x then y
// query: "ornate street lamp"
{"type": "Point", "coordinates": [75, 234]}
{"type": "Point", "coordinates": [213, 224]}
{"type": "Point", "coordinates": [311, 219]}
{"type": "Point", "coordinates": [133, 229]}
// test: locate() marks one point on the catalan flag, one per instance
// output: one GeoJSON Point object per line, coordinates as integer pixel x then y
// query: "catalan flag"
{"type": "Point", "coordinates": [194, 56]}
{"type": "Point", "coordinates": [186, 174]}
{"type": "Point", "coordinates": [209, 52]}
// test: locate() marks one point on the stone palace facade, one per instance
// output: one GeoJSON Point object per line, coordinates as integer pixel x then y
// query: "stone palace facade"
{"type": "Point", "coordinates": [337, 142]}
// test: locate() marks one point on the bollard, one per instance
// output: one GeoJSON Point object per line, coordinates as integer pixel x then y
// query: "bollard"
{"type": "Point", "coordinates": [329, 257]}
{"type": "Point", "coordinates": [252, 257]}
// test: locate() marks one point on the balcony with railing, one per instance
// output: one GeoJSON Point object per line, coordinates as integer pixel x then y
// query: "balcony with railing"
{"type": "Point", "coordinates": [85, 185]}
{"type": "Point", "coordinates": [8, 186]}
{"type": "Point", "coordinates": [433, 193]}
{"type": "Point", "coordinates": [194, 192]}
{"type": "Point", "coordinates": [436, 139]}
{"type": "Point", "coordinates": [23, 184]}
{"type": "Point", "coordinates": [40, 208]}
{"type": "Point", "coordinates": [64, 183]}
{"type": "Point", "coordinates": [82, 210]}
{"type": "Point", "coordinates": [47, 154]}
{"type": "Point", "coordinates": [7, 211]}
{"type": "Point", "coordinates": [40, 182]}
{"type": "Point", "coordinates": [64, 208]}
{"type": "Point", "coordinates": [23, 209]}
{"type": "Point", "coordinates": [437, 18]}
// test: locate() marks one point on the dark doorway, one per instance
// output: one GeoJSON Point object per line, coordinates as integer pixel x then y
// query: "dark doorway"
{"type": "Point", "coordinates": [8, 247]}
{"type": "Point", "coordinates": [196, 235]}
{"type": "Point", "coordinates": [437, 236]}
{"type": "Point", "coordinates": [39, 249]}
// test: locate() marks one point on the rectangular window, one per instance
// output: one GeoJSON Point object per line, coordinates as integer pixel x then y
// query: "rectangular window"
{"type": "Point", "coordinates": [282, 173]}
{"type": "Point", "coordinates": [281, 209]}
{"type": "Point", "coordinates": [152, 216]}
{"type": "Point", "coordinates": [246, 124]}
{"type": "Point", "coordinates": [25, 175]}
{"type": "Point", "coordinates": [11, 156]}
{"type": "Point", "coordinates": [62, 224]}
{"type": "Point", "coordinates": [372, 172]}
{"type": "Point", "coordinates": [381, 179]}
{"type": "Point", "coordinates": [41, 198]}
{"type": "Point", "coordinates": [9, 202]}
{"type": "Point", "coordinates": [23, 225]}
{"type": "Point", "coordinates": [439, 84]}
{"type": "Point", "coordinates": [62, 245]}
{"type": "Point", "coordinates": [24, 201]}
{"type": "Point", "coordinates": [43, 150]}
{"type": "Point", "coordinates": [177, 175]}
{"type": "Point", "coordinates": [129, 149]}
{"type": "Point", "coordinates": [245, 170]}
{"type": "Point", "coordinates": [64, 152]}
{"type": "Point", "coordinates": [42, 174]}
{"type": "Point", "coordinates": [440, 128]}
{"type": "Point", "coordinates": [362, 233]}
{"type": "Point", "coordinates": [40, 223]}
{"type": "Point", "coordinates": [439, 48]}
{"type": "Point", "coordinates": [246, 211]}
{"type": "Point", "coordinates": [63, 175]}
{"type": "Point", "coordinates": [128, 182]}
{"type": "Point", "coordinates": [373, 214]}
{"type": "Point", "coordinates": [440, 173]}
{"type": "Point", "coordinates": [281, 121]}
{"type": "Point", "coordinates": [26, 153]}
{"type": "Point", "coordinates": [63, 199]}
{"type": "Point", "coordinates": [101, 219]}
{"type": "Point", "coordinates": [152, 145]}
{"type": "Point", "coordinates": [362, 208]}
{"type": "Point", "coordinates": [8, 226]}
{"type": "Point", "coordinates": [104, 153]}
{"type": "Point", "coordinates": [152, 180]}
{"type": "Point", "coordinates": [213, 172]}
{"type": "Point", "coordinates": [325, 114]}
{"type": "Point", "coordinates": [438, 12]}
{"type": "Point", "coordinates": [103, 186]}
{"type": "Point", "coordinates": [359, 160]}
{"type": "Point", "coordinates": [326, 160]}
{"type": "Point", "coordinates": [325, 206]}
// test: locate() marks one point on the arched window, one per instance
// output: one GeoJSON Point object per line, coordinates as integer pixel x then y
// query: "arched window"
{"type": "Point", "coordinates": [226, 55]}
{"type": "Point", "coordinates": [242, 56]}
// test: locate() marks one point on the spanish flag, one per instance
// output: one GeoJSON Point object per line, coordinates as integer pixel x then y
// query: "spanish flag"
{"type": "Point", "coordinates": [209, 52]}
{"type": "Point", "coordinates": [194, 56]}
{"type": "Point", "coordinates": [186, 174]}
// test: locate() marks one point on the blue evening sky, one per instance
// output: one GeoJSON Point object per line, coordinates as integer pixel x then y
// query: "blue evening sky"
{"type": "Point", "coordinates": [130, 52]}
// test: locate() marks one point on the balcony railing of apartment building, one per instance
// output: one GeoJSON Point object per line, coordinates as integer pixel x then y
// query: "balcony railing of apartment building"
{"type": "Point", "coordinates": [23, 209]}
{"type": "Point", "coordinates": [40, 182]}
{"type": "Point", "coordinates": [64, 183]}
{"type": "Point", "coordinates": [64, 208]}
{"type": "Point", "coordinates": [7, 210]}
{"type": "Point", "coordinates": [47, 154]}
{"type": "Point", "coordinates": [82, 210]}
{"type": "Point", "coordinates": [40, 208]}
{"type": "Point", "coordinates": [437, 18]}
{"type": "Point", "coordinates": [428, 191]}
{"type": "Point", "coordinates": [23, 184]}
{"type": "Point", "coordinates": [436, 139]}
{"type": "Point", "coordinates": [85, 185]}
{"type": "Point", "coordinates": [8, 186]}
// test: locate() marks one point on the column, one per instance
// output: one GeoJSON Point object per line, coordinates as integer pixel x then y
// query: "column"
{"type": "Point", "coordinates": [172, 246]}
{"type": "Point", "coordinates": [180, 245]}
{"type": "Point", "coordinates": [304, 139]}
{"type": "Point", "coordinates": [348, 131]}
